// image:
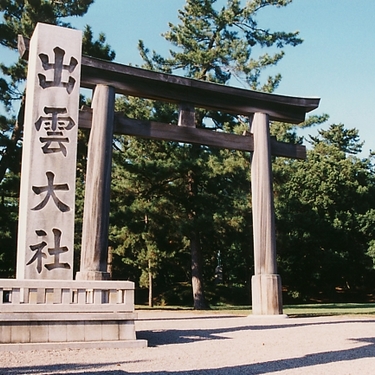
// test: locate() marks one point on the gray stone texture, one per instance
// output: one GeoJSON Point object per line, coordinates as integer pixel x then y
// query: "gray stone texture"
{"type": "Point", "coordinates": [46, 224]}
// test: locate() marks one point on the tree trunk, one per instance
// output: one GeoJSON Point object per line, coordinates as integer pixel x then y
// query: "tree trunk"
{"type": "Point", "coordinates": [150, 291]}
{"type": "Point", "coordinates": [196, 272]}
{"type": "Point", "coordinates": [195, 244]}
{"type": "Point", "coordinates": [187, 117]}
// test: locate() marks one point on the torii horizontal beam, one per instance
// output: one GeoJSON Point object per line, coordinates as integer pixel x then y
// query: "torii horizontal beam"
{"type": "Point", "coordinates": [168, 132]}
{"type": "Point", "coordinates": [148, 84]}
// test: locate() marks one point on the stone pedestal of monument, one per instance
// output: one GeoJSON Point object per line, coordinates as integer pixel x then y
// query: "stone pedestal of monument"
{"type": "Point", "coordinates": [44, 307]}
{"type": "Point", "coordinates": [76, 314]}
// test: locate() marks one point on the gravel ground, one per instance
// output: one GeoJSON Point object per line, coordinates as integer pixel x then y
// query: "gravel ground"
{"type": "Point", "coordinates": [212, 343]}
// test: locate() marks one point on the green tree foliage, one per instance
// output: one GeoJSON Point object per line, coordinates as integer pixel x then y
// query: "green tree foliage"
{"type": "Point", "coordinates": [325, 217]}
{"type": "Point", "coordinates": [217, 45]}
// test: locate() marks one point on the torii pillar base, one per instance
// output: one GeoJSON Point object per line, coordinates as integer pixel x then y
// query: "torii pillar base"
{"type": "Point", "coordinates": [266, 294]}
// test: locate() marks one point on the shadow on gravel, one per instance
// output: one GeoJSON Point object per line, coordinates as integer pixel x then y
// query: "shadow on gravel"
{"type": "Point", "coordinates": [184, 336]}
{"type": "Point", "coordinates": [365, 351]}
{"type": "Point", "coordinates": [67, 368]}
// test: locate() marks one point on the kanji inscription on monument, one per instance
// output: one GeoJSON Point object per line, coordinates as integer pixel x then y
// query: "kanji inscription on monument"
{"type": "Point", "coordinates": [46, 222]}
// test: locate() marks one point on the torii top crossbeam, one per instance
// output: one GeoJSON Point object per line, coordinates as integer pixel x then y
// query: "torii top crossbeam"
{"type": "Point", "coordinates": [148, 84]}
{"type": "Point", "coordinates": [166, 87]}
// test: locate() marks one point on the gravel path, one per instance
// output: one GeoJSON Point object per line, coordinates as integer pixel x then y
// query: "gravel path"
{"type": "Point", "coordinates": [211, 343]}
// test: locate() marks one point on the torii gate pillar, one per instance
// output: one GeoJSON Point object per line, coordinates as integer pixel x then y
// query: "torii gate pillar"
{"type": "Point", "coordinates": [265, 284]}
{"type": "Point", "coordinates": [94, 250]}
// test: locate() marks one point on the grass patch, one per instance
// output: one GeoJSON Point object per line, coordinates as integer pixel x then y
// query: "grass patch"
{"type": "Point", "coordinates": [327, 309]}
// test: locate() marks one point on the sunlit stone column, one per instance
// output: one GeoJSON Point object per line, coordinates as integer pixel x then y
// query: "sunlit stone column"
{"type": "Point", "coordinates": [266, 284]}
{"type": "Point", "coordinates": [94, 253]}
{"type": "Point", "coordinates": [46, 216]}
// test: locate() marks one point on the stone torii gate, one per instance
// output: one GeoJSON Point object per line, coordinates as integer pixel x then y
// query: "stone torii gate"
{"type": "Point", "coordinates": [266, 283]}
{"type": "Point", "coordinates": [108, 78]}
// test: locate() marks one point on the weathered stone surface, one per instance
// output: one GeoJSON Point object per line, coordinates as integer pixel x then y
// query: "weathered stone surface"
{"type": "Point", "coordinates": [75, 331]}
{"type": "Point", "coordinates": [38, 332]}
{"type": "Point", "coordinates": [266, 284]}
{"type": "Point", "coordinates": [80, 329]}
{"type": "Point", "coordinates": [5, 333]}
{"type": "Point", "coordinates": [67, 311]}
{"type": "Point", "coordinates": [46, 224]}
{"type": "Point", "coordinates": [127, 330]}
{"type": "Point", "coordinates": [94, 251]}
{"type": "Point", "coordinates": [266, 294]}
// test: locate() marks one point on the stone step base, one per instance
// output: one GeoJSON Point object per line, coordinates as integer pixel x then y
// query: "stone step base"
{"type": "Point", "coordinates": [67, 329]}
{"type": "Point", "coordinates": [119, 344]}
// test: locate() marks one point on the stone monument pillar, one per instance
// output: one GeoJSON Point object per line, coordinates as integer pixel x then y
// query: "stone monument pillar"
{"type": "Point", "coordinates": [46, 216]}
{"type": "Point", "coordinates": [266, 284]}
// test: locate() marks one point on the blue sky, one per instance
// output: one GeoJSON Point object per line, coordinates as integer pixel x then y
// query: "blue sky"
{"type": "Point", "coordinates": [336, 62]}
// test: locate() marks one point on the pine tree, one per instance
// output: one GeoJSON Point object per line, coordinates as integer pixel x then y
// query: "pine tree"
{"type": "Point", "coordinates": [324, 209]}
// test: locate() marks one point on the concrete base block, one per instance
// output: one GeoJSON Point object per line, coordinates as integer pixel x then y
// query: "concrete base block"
{"type": "Point", "coordinates": [76, 331]}
{"type": "Point", "coordinates": [266, 295]}
{"type": "Point", "coordinates": [20, 331]}
{"type": "Point", "coordinates": [4, 334]}
{"type": "Point", "coordinates": [39, 332]}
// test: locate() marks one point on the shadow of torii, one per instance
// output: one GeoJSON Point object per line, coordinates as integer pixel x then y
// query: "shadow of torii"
{"type": "Point", "coordinates": [173, 336]}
